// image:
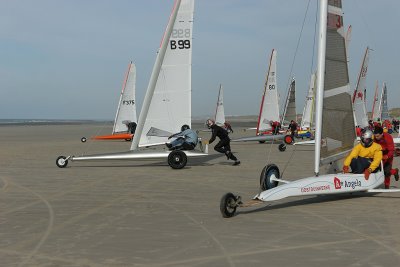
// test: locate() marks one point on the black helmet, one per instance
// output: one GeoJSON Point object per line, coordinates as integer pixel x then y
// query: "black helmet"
{"type": "Point", "coordinates": [184, 127]}
{"type": "Point", "coordinates": [366, 138]}
{"type": "Point", "coordinates": [209, 123]}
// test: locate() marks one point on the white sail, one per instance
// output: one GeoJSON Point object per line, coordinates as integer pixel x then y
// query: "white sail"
{"type": "Point", "coordinates": [360, 112]}
{"type": "Point", "coordinates": [126, 111]}
{"type": "Point", "coordinates": [219, 112]}
{"type": "Point", "coordinates": [167, 104]}
{"type": "Point", "coordinates": [384, 106]}
{"type": "Point", "coordinates": [335, 132]}
{"type": "Point", "coordinates": [289, 112]}
{"type": "Point", "coordinates": [269, 110]}
{"type": "Point", "coordinates": [307, 120]}
{"type": "Point", "coordinates": [375, 114]}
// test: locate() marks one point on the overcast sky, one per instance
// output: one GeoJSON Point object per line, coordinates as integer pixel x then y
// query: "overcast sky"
{"type": "Point", "coordinates": [66, 59]}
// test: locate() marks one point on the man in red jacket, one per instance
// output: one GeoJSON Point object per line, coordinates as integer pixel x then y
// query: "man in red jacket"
{"type": "Point", "coordinates": [386, 142]}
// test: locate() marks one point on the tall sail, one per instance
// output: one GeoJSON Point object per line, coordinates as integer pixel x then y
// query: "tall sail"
{"type": "Point", "coordinates": [375, 108]}
{"type": "Point", "coordinates": [360, 111]}
{"type": "Point", "coordinates": [167, 104]}
{"type": "Point", "coordinates": [289, 113]}
{"type": "Point", "coordinates": [219, 112]}
{"type": "Point", "coordinates": [337, 133]}
{"type": "Point", "coordinates": [307, 120]}
{"type": "Point", "coordinates": [126, 111]}
{"type": "Point", "coordinates": [384, 105]}
{"type": "Point", "coordinates": [269, 110]}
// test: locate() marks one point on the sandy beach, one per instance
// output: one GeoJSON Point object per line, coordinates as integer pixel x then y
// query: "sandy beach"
{"type": "Point", "coordinates": [144, 213]}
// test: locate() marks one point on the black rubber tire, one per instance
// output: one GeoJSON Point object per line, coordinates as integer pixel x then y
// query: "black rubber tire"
{"type": "Point", "coordinates": [288, 139]}
{"type": "Point", "coordinates": [265, 177]}
{"type": "Point", "coordinates": [83, 139]}
{"type": "Point", "coordinates": [282, 147]}
{"type": "Point", "coordinates": [261, 142]}
{"type": "Point", "coordinates": [177, 159]}
{"type": "Point", "coordinates": [61, 162]}
{"type": "Point", "coordinates": [228, 205]}
{"type": "Point", "coordinates": [128, 139]}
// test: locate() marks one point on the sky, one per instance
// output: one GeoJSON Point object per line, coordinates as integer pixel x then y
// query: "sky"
{"type": "Point", "coordinates": [66, 59]}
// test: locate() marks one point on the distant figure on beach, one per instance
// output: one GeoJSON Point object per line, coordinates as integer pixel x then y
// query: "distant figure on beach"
{"type": "Point", "coordinates": [228, 127]}
{"type": "Point", "coordinates": [223, 145]}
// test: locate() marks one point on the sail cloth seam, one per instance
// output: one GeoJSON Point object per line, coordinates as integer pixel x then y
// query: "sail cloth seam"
{"type": "Point", "coordinates": [335, 10]}
{"type": "Point", "coordinates": [337, 91]}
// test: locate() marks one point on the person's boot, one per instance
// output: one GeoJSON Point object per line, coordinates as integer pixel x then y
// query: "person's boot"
{"type": "Point", "coordinates": [237, 162]}
{"type": "Point", "coordinates": [396, 174]}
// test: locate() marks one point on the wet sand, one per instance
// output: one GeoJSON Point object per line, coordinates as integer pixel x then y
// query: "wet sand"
{"type": "Point", "coordinates": [144, 213]}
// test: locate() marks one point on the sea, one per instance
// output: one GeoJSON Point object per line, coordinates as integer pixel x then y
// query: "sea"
{"type": "Point", "coordinates": [22, 122]}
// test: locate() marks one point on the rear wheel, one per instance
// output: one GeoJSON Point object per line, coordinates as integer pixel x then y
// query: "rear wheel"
{"type": "Point", "coordinates": [228, 205]}
{"type": "Point", "coordinates": [261, 142]}
{"type": "Point", "coordinates": [83, 139]}
{"type": "Point", "coordinates": [177, 159]}
{"type": "Point", "coordinates": [270, 171]}
{"type": "Point", "coordinates": [61, 162]}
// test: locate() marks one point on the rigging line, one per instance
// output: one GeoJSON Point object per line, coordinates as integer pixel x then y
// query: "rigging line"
{"type": "Point", "coordinates": [298, 44]}
{"type": "Point", "coordinates": [370, 32]}
{"type": "Point", "coordinates": [315, 38]}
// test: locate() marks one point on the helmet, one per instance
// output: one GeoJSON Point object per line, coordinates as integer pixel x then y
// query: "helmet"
{"type": "Point", "coordinates": [366, 138]}
{"type": "Point", "coordinates": [184, 127]}
{"type": "Point", "coordinates": [209, 123]}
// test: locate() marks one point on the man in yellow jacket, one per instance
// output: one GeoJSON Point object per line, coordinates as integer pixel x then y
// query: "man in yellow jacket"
{"type": "Point", "coordinates": [365, 157]}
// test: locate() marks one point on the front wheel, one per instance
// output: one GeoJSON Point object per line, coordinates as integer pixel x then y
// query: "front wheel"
{"type": "Point", "coordinates": [177, 159]}
{"type": "Point", "coordinates": [228, 205]}
{"type": "Point", "coordinates": [270, 171]}
{"type": "Point", "coordinates": [261, 142]}
{"type": "Point", "coordinates": [282, 147]}
{"type": "Point", "coordinates": [61, 162]}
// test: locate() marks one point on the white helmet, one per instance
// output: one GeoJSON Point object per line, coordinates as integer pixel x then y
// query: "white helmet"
{"type": "Point", "coordinates": [366, 138]}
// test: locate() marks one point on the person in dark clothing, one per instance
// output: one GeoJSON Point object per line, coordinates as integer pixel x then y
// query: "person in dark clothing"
{"type": "Point", "coordinates": [223, 146]}
{"type": "Point", "coordinates": [293, 128]}
{"type": "Point", "coordinates": [132, 127]}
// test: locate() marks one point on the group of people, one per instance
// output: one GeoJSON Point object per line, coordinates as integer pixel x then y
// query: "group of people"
{"type": "Point", "coordinates": [387, 125]}
{"type": "Point", "coordinates": [187, 139]}
{"type": "Point", "coordinates": [375, 146]}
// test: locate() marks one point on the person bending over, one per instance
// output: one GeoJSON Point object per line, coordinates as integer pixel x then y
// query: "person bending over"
{"type": "Point", "coordinates": [223, 146]}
